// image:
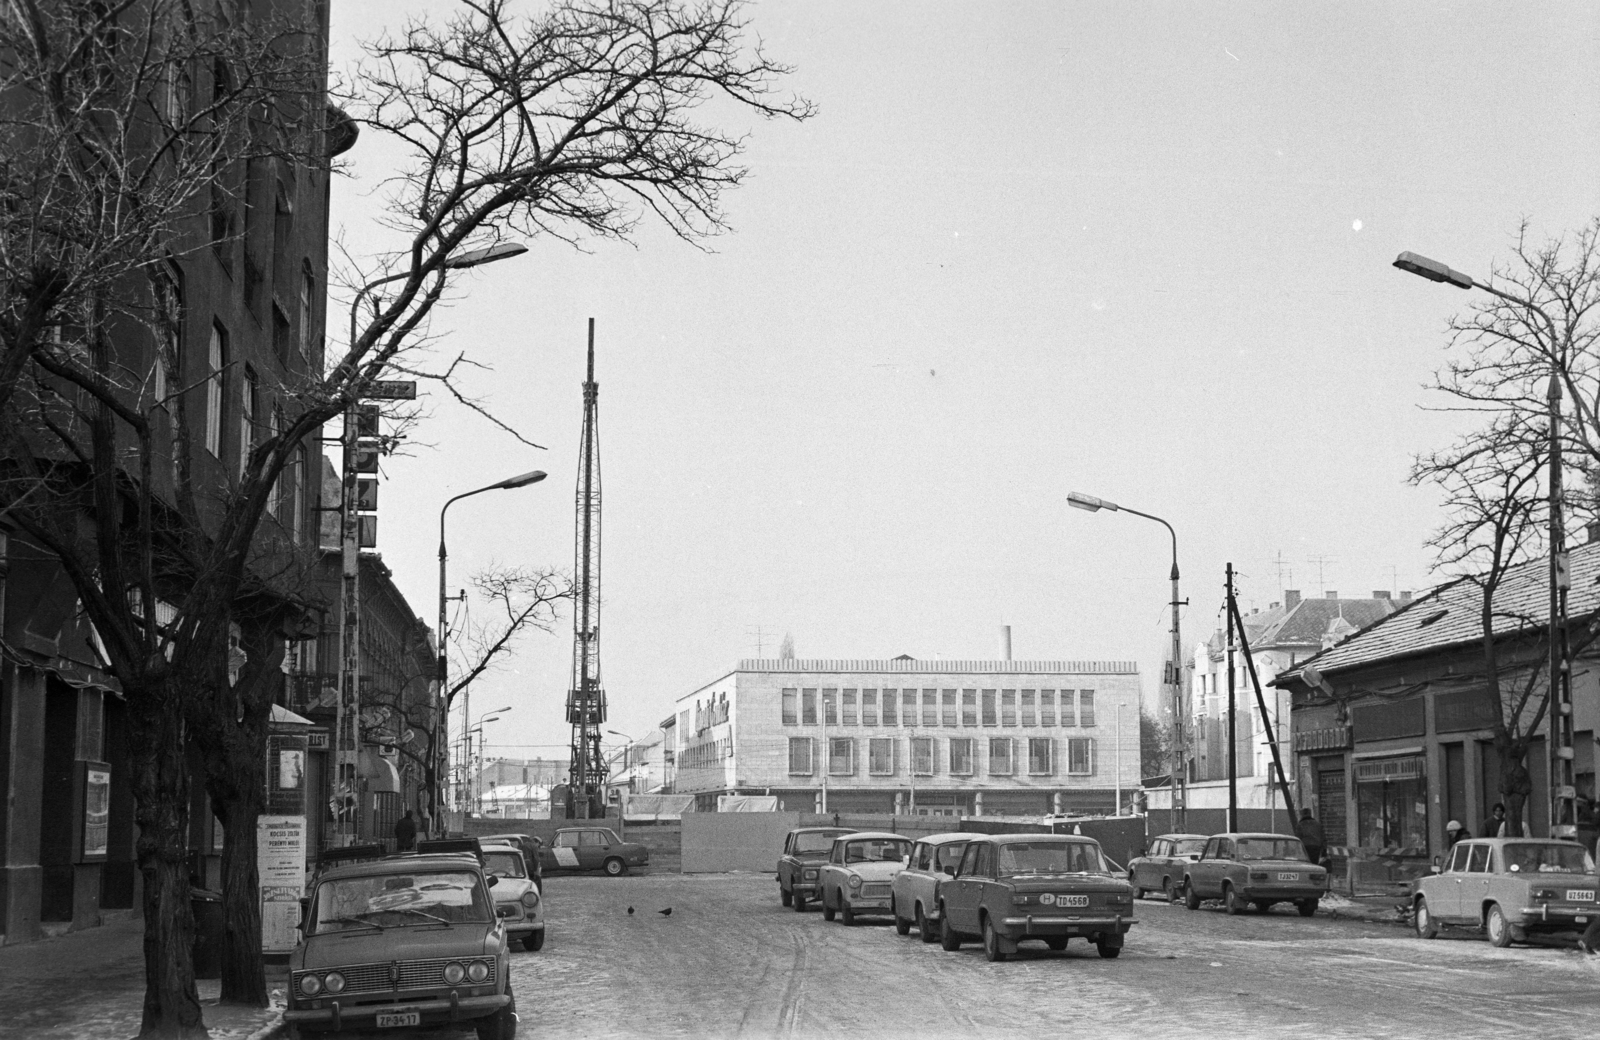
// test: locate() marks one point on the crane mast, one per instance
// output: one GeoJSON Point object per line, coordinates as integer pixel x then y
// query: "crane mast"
{"type": "Point", "coordinates": [586, 699]}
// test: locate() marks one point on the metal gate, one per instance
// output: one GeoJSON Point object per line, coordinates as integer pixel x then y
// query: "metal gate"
{"type": "Point", "coordinates": [1330, 801]}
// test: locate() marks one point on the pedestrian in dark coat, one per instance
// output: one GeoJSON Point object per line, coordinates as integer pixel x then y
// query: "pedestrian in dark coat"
{"type": "Point", "coordinates": [1309, 830]}
{"type": "Point", "coordinates": [405, 833]}
{"type": "Point", "coordinates": [1495, 825]}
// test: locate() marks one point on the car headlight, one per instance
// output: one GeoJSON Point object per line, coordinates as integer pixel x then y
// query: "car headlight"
{"type": "Point", "coordinates": [477, 971]}
{"type": "Point", "coordinates": [454, 973]}
{"type": "Point", "coordinates": [334, 982]}
{"type": "Point", "coordinates": [809, 875]}
{"type": "Point", "coordinates": [530, 898]}
{"type": "Point", "coordinates": [310, 985]}
{"type": "Point", "coordinates": [855, 880]}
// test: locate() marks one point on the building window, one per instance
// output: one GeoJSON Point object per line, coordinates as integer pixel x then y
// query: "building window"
{"type": "Point", "coordinates": [880, 756]}
{"type": "Point", "coordinates": [249, 393]}
{"type": "Point", "coordinates": [1047, 707]}
{"type": "Point", "coordinates": [308, 287]}
{"type": "Point", "coordinates": [869, 707]}
{"type": "Point", "coordinates": [848, 707]}
{"type": "Point", "coordinates": [890, 703]}
{"type": "Point", "coordinates": [969, 708]}
{"type": "Point", "coordinates": [830, 707]}
{"type": "Point", "coordinates": [1000, 756]}
{"type": "Point", "coordinates": [800, 756]}
{"type": "Point", "coordinates": [216, 358]}
{"type": "Point", "coordinates": [1028, 716]}
{"type": "Point", "coordinates": [808, 707]}
{"type": "Point", "coordinates": [1039, 756]}
{"type": "Point", "coordinates": [990, 717]}
{"type": "Point", "coordinates": [922, 756]}
{"type": "Point", "coordinates": [791, 707]}
{"type": "Point", "coordinates": [1086, 708]}
{"type": "Point", "coordinates": [962, 752]}
{"type": "Point", "coordinates": [1080, 756]}
{"type": "Point", "coordinates": [930, 709]}
{"type": "Point", "coordinates": [841, 756]}
{"type": "Point", "coordinates": [1008, 707]}
{"type": "Point", "coordinates": [276, 495]}
{"type": "Point", "coordinates": [302, 474]}
{"type": "Point", "coordinates": [1068, 717]}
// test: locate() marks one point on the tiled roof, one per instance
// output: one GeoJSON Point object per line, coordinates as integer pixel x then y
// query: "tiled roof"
{"type": "Point", "coordinates": [1306, 623]}
{"type": "Point", "coordinates": [1448, 615]}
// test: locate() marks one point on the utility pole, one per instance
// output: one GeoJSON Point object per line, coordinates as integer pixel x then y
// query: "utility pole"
{"type": "Point", "coordinates": [1563, 793]}
{"type": "Point", "coordinates": [1233, 731]}
{"type": "Point", "coordinates": [360, 456]}
{"type": "Point", "coordinates": [586, 700]}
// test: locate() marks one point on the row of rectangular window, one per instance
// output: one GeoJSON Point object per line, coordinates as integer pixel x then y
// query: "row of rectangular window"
{"type": "Point", "coordinates": [884, 756]}
{"type": "Point", "coordinates": [932, 708]}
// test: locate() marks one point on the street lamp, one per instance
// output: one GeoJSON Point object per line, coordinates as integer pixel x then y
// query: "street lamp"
{"type": "Point", "coordinates": [1175, 762]}
{"type": "Point", "coordinates": [521, 480]}
{"type": "Point", "coordinates": [1562, 794]}
{"type": "Point", "coordinates": [477, 782]}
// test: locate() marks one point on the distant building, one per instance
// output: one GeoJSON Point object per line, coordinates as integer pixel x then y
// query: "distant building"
{"type": "Point", "coordinates": [950, 738]}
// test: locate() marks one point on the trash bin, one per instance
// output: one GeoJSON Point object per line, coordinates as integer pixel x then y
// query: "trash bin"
{"type": "Point", "coordinates": [208, 932]}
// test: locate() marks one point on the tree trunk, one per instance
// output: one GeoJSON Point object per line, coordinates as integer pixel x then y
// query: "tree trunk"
{"type": "Point", "coordinates": [161, 792]}
{"type": "Point", "coordinates": [243, 980]}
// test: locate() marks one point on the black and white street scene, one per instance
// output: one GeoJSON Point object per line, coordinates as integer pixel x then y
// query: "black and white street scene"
{"type": "Point", "coordinates": [799, 519]}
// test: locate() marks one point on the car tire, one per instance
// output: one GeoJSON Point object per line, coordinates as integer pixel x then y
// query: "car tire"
{"type": "Point", "coordinates": [991, 942]}
{"type": "Point", "coordinates": [1171, 891]}
{"type": "Point", "coordinates": [1307, 907]}
{"type": "Point", "coordinates": [1191, 898]}
{"type": "Point", "coordinates": [949, 938]}
{"type": "Point", "coordinates": [925, 931]}
{"type": "Point", "coordinates": [799, 903]}
{"type": "Point", "coordinates": [1138, 893]}
{"type": "Point", "coordinates": [502, 1025]}
{"type": "Point", "coordinates": [1231, 903]}
{"type": "Point", "coordinates": [847, 916]}
{"type": "Point", "coordinates": [1498, 928]}
{"type": "Point", "coordinates": [1422, 920]}
{"type": "Point", "coordinates": [533, 942]}
{"type": "Point", "coordinates": [1108, 951]}
{"type": "Point", "coordinates": [786, 896]}
{"type": "Point", "coordinates": [614, 867]}
{"type": "Point", "coordinates": [827, 907]}
{"type": "Point", "coordinates": [1057, 944]}
{"type": "Point", "coordinates": [901, 925]}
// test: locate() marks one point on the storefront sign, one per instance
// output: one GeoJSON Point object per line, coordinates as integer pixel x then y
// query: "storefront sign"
{"type": "Point", "coordinates": [1330, 738]}
{"type": "Point", "coordinates": [281, 866]}
{"type": "Point", "coordinates": [1383, 769]}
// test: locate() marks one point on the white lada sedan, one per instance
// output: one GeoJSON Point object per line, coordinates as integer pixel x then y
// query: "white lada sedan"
{"type": "Point", "coordinates": [857, 877]}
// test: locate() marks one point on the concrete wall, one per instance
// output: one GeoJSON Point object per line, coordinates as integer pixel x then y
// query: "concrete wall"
{"type": "Point", "coordinates": [1215, 821]}
{"type": "Point", "coordinates": [715, 842]}
{"type": "Point", "coordinates": [664, 839]}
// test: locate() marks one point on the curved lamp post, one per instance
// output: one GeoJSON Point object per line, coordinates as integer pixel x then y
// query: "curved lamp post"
{"type": "Point", "coordinates": [1180, 807]}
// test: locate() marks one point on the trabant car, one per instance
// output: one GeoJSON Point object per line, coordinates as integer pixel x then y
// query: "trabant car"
{"type": "Point", "coordinates": [804, 850]}
{"type": "Point", "coordinates": [1509, 887]}
{"type": "Point", "coordinates": [1254, 870]}
{"type": "Point", "coordinates": [1160, 867]}
{"type": "Point", "coordinates": [592, 848]}
{"type": "Point", "coordinates": [405, 940]}
{"type": "Point", "coordinates": [516, 898]}
{"type": "Point", "coordinates": [1010, 888]}
{"type": "Point", "coordinates": [914, 893]}
{"type": "Point", "coordinates": [530, 851]}
{"type": "Point", "coordinates": [856, 879]}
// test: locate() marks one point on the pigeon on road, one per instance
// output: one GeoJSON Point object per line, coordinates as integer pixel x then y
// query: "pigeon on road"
{"type": "Point", "coordinates": [665, 913]}
{"type": "Point", "coordinates": [630, 911]}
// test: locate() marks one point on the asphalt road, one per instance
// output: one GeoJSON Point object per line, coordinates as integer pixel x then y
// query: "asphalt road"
{"type": "Point", "coordinates": [731, 962]}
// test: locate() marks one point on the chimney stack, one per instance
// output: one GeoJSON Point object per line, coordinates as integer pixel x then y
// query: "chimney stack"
{"type": "Point", "coordinates": [1005, 642]}
{"type": "Point", "coordinates": [1405, 596]}
{"type": "Point", "coordinates": [1291, 598]}
{"type": "Point", "coordinates": [1381, 594]}
{"type": "Point", "coordinates": [1330, 594]}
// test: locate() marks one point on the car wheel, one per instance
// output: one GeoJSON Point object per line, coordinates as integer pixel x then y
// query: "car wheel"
{"type": "Point", "coordinates": [1422, 920]}
{"type": "Point", "coordinates": [1307, 907]}
{"type": "Point", "coordinates": [1138, 893]}
{"type": "Point", "coordinates": [948, 937]}
{"type": "Point", "coordinates": [1108, 951]}
{"type": "Point", "coordinates": [1231, 901]}
{"type": "Point", "coordinates": [1170, 890]}
{"type": "Point", "coordinates": [1057, 944]}
{"type": "Point", "coordinates": [901, 925]}
{"type": "Point", "coordinates": [614, 867]}
{"type": "Point", "coordinates": [925, 931]}
{"type": "Point", "coordinates": [533, 942]}
{"type": "Point", "coordinates": [847, 916]}
{"type": "Point", "coordinates": [786, 896]}
{"type": "Point", "coordinates": [1191, 898]}
{"type": "Point", "coordinates": [1498, 927]}
{"type": "Point", "coordinates": [502, 1025]}
{"type": "Point", "coordinates": [799, 903]}
{"type": "Point", "coordinates": [991, 942]}
{"type": "Point", "coordinates": [827, 907]}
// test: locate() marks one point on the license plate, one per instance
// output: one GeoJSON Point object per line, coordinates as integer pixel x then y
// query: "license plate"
{"type": "Point", "coordinates": [400, 1018]}
{"type": "Point", "coordinates": [1288, 877]}
{"type": "Point", "coordinates": [1072, 900]}
{"type": "Point", "coordinates": [1580, 895]}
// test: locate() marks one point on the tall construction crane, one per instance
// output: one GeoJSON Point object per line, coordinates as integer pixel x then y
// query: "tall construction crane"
{"type": "Point", "coordinates": [586, 699]}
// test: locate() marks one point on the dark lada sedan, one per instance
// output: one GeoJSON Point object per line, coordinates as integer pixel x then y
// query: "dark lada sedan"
{"type": "Point", "coordinates": [1010, 888]}
{"type": "Point", "coordinates": [804, 851]}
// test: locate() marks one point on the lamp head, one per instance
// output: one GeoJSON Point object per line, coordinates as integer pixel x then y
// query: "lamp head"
{"type": "Point", "coordinates": [522, 480]}
{"type": "Point", "coordinates": [1432, 270]}
{"type": "Point", "coordinates": [486, 255]}
{"type": "Point", "coordinates": [1089, 503]}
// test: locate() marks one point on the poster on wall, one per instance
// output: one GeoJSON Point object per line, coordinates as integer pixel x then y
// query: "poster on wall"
{"type": "Point", "coordinates": [281, 866]}
{"type": "Point", "coordinates": [96, 812]}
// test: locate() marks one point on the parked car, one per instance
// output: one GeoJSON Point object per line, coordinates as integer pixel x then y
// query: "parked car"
{"type": "Point", "coordinates": [1160, 867]}
{"type": "Point", "coordinates": [529, 845]}
{"type": "Point", "coordinates": [406, 940]}
{"type": "Point", "coordinates": [914, 893]}
{"type": "Point", "coordinates": [856, 879]}
{"type": "Point", "coordinates": [804, 851]}
{"type": "Point", "coordinates": [592, 848]}
{"type": "Point", "coordinates": [1254, 870]}
{"type": "Point", "coordinates": [1510, 888]}
{"type": "Point", "coordinates": [516, 898]}
{"type": "Point", "coordinates": [1012, 888]}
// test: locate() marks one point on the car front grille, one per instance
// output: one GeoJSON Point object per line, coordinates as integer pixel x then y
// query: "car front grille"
{"type": "Point", "coordinates": [375, 978]}
{"type": "Point", "coordinates": [875, 890]}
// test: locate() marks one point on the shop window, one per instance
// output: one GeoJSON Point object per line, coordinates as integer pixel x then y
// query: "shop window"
{"type": "Point", "coordinates": [1391, 804]}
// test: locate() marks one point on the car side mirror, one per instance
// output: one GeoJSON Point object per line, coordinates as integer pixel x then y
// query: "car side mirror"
{"type": "Point", "coordinates": [950, 870]}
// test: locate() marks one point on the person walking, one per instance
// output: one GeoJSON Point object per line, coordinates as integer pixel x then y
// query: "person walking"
{"type": "Point", "coordinates": [1309, 830]}
{"type": "Point", "coordinates": [1495, 825]}
{"type": "Point", "coordinates": [1454, 832]}
{"type": "Point", "coordinates": [405, 833]}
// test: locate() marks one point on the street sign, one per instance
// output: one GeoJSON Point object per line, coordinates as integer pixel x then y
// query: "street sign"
{"type": "Point", "coordinates": [366, 494]}
{"type": "Point", "coordinates": [392, 390]}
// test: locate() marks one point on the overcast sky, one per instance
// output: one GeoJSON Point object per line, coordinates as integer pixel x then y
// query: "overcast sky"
{"type": "Point", "coordinates": [1140, 250]}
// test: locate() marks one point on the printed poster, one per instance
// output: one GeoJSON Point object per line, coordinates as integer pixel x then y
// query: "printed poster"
{"type": "Point", "coordinates": [281, 870]}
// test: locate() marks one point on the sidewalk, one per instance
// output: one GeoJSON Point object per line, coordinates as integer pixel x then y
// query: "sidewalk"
{"type": "Point", "coordinates": [90, 985]}
{"type": "Point", "coordinates": [1372, 909]}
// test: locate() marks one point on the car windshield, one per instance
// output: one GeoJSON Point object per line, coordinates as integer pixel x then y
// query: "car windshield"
{"type": "Point", "coordinates": [817, 841]}
{"type": "Point", "coordinates": [1271, 848]}
{"type": "Point", "coordinates": [877, 850]}
{"type": "Point", "coordinates": [503, 864]}
{"type": "Point", "coordinates": [1051, 857]}
{"type": "Point", "coordinates": [384, 901]}
{"type": "Point", "coordinates": [1534, 857]}
{"type": "Point", "coordinates": [1188, 846]}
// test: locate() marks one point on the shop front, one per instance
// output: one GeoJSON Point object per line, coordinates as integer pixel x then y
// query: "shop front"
{"type": "Point", "coordinates": [1391, 825]}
